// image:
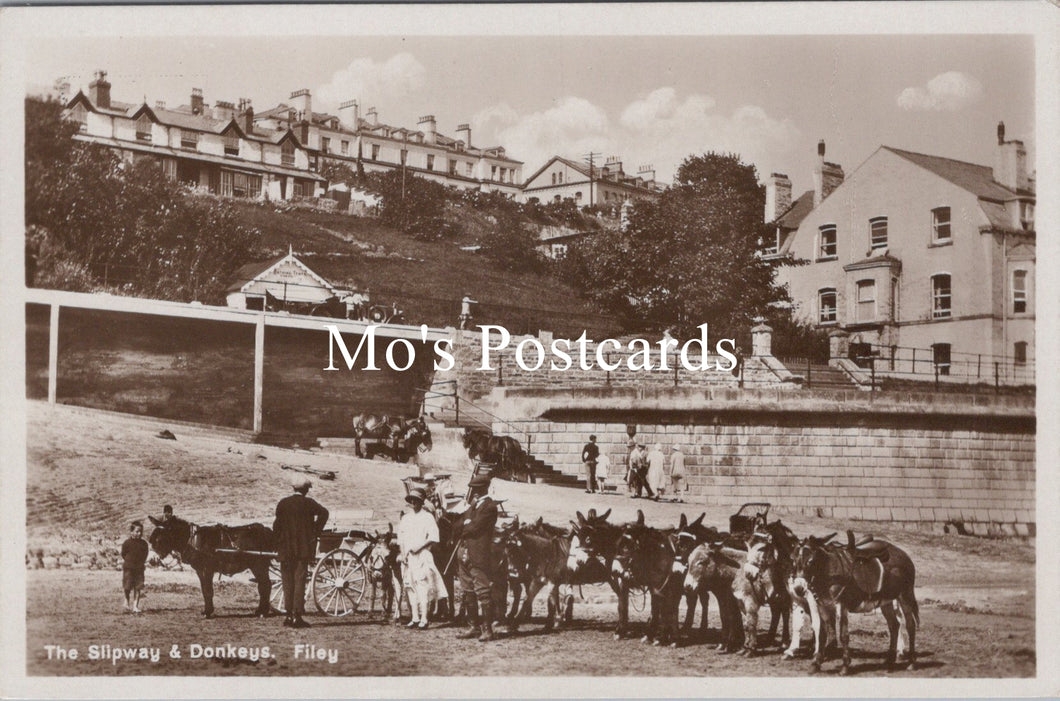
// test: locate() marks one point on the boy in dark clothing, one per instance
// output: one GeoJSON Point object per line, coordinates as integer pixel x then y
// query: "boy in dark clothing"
{"type": "Point", "coordinates": [134, 557]}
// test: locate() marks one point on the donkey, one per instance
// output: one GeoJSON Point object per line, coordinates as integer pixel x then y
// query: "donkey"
{"type": "Point", "coordinates": [645, 557]}
{"type": "Point", "coordinates": [521, 577]}
{"type": "Point", "coordinates": [689, 536]}
{"type": "Point", "coordinates": [767, 570]}
{"type": "Point", "coordinates": [860, 577]}
{"type": "Point", "coordinates": [714, 567]}
{"type": "Point", "coordinates": [382, 557]}
{"type": "Point", "coordinates": [198, 546]}
{"type": "Point", "coordinates": [593, 545]}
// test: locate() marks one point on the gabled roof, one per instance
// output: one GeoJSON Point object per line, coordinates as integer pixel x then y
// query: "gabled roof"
{"type": "Point", "coordinates": [798, 211]}
{"type": "Point", "coordinates": [250, 272]}
{"type": "Point", "coordinates": [976, 179]}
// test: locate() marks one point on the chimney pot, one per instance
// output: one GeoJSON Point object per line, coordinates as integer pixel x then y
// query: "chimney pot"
{"type": "Point", "coordinates": [196, 101]}
{"type": "Point", "coordinates": [99, 90]}
{"type": "Point", "coordinates": [820, 148]}
{"type": "Point", "coordinates": [1000, 133]}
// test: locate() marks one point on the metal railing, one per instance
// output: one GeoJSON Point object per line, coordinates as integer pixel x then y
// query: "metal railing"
{"type": "Point", "coordinates": [459, 400]}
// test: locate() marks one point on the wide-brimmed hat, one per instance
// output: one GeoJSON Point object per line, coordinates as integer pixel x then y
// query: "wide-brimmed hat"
{"type": "Point", "coordinates": [479, 481]}
{"type": "Point", "coordinates": [301, 482]}
{"type": "Point", "coordinates": [416, 494]}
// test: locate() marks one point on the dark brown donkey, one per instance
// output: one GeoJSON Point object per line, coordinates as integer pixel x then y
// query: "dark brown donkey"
{"type": "Point", "coordinates": [593, 545]}
{"type": "Point", "coordinates": [860, 577]}
{"type": "Point", "coordinates": [645, 557]}
{"type": "Point", "coordinates": [206, 549]}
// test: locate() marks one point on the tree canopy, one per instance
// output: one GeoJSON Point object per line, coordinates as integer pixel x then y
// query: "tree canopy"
{"type": "Point", "coordinates": [691, 257]}
{"type": "Point", "coordinates": [97, 222]}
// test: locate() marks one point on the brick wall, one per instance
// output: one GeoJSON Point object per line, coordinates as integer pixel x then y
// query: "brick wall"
{"type": "Point", "coordinates": [925, 468]}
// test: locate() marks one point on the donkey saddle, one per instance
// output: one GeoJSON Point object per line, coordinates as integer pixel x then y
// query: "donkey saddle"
{"type": "Point", "coordinates": [868, 557]}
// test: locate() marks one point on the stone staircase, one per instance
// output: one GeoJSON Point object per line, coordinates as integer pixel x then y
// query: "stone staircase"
{"type": "Point", "coordinates": [819, 375]}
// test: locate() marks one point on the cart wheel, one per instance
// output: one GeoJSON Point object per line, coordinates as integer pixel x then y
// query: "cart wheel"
{"type": "Point", "coordinates": [276, 597]}
{"type": "Point", "coordinates": [339, 583]}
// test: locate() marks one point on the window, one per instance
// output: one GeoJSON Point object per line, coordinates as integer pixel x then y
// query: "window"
{"type": "Point", "coordinates": [469, 169]}
{"type": "Point", "coordinates": [878, 232]}
{"type": "Point", "coordinates": [1019, 291]}
{"type": "Point", "coordinates": [1027, 215]}
{"type": "Point", "coordinates": [143, 128]}
{"type": "Point", "coordinates": [553, 178]}
{"type": "Point", "coordinates": [940, 225]}
{"type": "Point", "coordinates": [827, 242]}
{"type": "Point", "coordinates": [452, 167]}
{"type": "Point", "coordinates": [325, 144]}
{"type": "Point", "coordinates": [430, 162]}
{"type": "Point", "coordinates": [493, 174]}
{"type": "Point", "coordinates": [894, 299]}
{"type": "Point", "coordinates": [561, 178]}
{"type": "Point", "coordinates": [345, 147]}
{"type": "Point", "coordinates": [189, 139]}
{"type": "Point", "coordinates": [940, 353]}
{"type": "Point", "coordinates": [559, 250]}
{"type": "Point", "coordinates": [287, 153]}
{"type": "Point", "coordinates": [578, 196]}
{"type": "Point", "coordinates": [866, 300]}
{"type": "Point", "coordinates": [245, 185]}
{"type": "Point", "coordinates": [1019, 353]}
{"type": "Point", "coordinates": [375, 152]}
{"type": "Point", "coordinates": [231, 145]}
{"type": "Point", "coordinates": [826, 306]}
{"type": "Point", "coordinates": [80, 115]}
{"type": "Point", "coordinates": [941, 300]}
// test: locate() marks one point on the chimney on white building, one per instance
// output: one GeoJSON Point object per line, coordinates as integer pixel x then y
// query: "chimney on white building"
{"type": "Point", "coordinates": [614, 165]}
{"type": "Point", "coordinates": [373, 117]}
{"type": "Point", "coordinates": [778, 196]}
{"type": "Point", "coordinates": [246, 114]}
{"type": "Point", "coordinates": [646, 173]}
{"type": "Point", "coordinates": [223, 111]}
{"type": "Point", "coordinates": [826, 176]}
{"type": "Point", "coordinates": [303, 102]}
{"type": "Point", "coordinates": [1010, 162]}
{"type": "Point", "coordinates": [197, 105]}
{"type": "Point", "coordinates": [99, 90]}
{"type": "Point", "coordinates": [350, 114]}
{"type": "Point", "coordinates": [429, 126]}
{"type": "Point", "coordinates": [160, 104]}
{"type": "Point", "coordinates": [463, 132]}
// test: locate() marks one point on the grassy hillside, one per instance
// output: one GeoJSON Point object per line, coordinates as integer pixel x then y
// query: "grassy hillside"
{"type": "Point", "coordinates": [426, 278]}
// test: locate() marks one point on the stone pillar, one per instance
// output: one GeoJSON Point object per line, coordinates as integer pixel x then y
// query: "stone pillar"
{"type": "Point", "coordinates": [761, 338]}
{"type": "Point", "coordinates": [838, 344]}
{"type": "Point", "coordinates": [259, 371]}
{"type": "Point", "coordinates": [53, 353]}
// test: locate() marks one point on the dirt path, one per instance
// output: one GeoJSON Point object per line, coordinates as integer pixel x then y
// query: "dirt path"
{"type": "Point", "coordinates": [89, 473]}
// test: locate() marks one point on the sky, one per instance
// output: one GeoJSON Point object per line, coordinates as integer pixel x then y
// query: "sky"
{"type": "Point", "coordinates": [648, 100]}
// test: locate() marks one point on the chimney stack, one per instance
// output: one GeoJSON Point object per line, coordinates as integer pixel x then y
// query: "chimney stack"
{"type": "Point", "coordinates": [350, 114]}
{"type": "Point", "coordinates": [826, 176]}
{"type": "Point", "coordinates": [223, 111]}
{"type": "Point", "coordinates": [430, 129]}
{"type": "Point", "coordinates": [160, 104]}
{"type": "Point", "coordinates": [373, 117]}
{"type": "Point", "coordinates": [614, 165]}
{"type": "Point", "coordinates": [246, 110]}
{"type": "Point", "coordinates": [197, 106]}
{"type": "Point", "coordinates": [1010, 162]}
{"type": "Point", "coordinates": [99, 90]}
{"type": "Point", "coordinates": [303, 102]}
{"type": "Point", "coordinates": [778, 196]}
{"type": "Point", "coordinates": [464, 129]}
{"type": "Point", "coordinates": [646, 173]}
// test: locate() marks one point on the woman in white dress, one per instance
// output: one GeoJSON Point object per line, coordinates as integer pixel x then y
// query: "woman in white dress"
{"type": "Point", "coordinates": [422, 581]}
{"type": "Point", "coordinates": [656, 469]}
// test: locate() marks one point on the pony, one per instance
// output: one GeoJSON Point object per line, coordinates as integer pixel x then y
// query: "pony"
{"type": "Point", "coordinates": [198, 546]}
{"type": "Point", "coordinates": [504, 451]}
{"type": "Point", "coordinates": [860, 577]}
{"type": "Point", "coordinates": [394, 436]}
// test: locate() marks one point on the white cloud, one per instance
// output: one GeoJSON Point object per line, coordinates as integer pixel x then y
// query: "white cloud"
{"type": "Point", "coordinates": [572, 127]}
{"type": "Point", "coordinates": [947, 91]}
{"type": "Point", "coordinates": [368, 80]}
{"type": "Point", "coordinates": [663, 128]}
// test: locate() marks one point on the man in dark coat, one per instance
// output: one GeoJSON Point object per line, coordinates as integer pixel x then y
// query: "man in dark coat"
{"type": "Point", "coordinates": [299, 520]}
{"type": "Point", "coordinates": [474, 531]}
{"type": "Point", "coordinates": [590, 455]}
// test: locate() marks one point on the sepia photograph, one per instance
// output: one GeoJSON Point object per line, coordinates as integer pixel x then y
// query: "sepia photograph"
{"type": "Point", "coordinates": [528, 350]}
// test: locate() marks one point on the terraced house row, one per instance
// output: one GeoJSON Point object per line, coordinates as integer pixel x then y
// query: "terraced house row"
{"type": "Point", "coordinates": [229, 150]}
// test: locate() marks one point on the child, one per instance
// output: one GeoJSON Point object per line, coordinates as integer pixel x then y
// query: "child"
{"type": "Point", "coordinates": [134, 557]}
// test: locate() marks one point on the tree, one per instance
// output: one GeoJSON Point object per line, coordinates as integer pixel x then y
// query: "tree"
{"type": "Point", "coordinates": [691, 257]}
{"type": "Point", "coordinates": [97, 222]}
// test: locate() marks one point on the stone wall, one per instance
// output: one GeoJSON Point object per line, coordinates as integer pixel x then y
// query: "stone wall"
{"type": "Point", "coordinates": [917, 462]}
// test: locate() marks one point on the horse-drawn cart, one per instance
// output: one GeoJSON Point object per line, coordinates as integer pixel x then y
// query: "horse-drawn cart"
{"type": "Point", "coordinates": [345, 569]}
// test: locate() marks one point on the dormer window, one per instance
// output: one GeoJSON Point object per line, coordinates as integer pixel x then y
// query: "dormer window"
{"type": "Point", "coordinates": [189, 139]}
{"type": "Point", "coordinates": [143, 128]}
{"type": "Point", "coordinates": [878, 232]}
{"type": "Point", "coordinates": [231, 145]}
{"type": "Point", "coordinates": [80, 117]}
{"type": "Point", "coordinates": [287, 153]}
{"type": "Point", "coordinates": [940, 225]}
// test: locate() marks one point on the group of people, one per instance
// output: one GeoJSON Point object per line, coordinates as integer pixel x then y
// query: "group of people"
{"type": "Point", "coordinates": [646, 471]}
{"type": "Point", "coordinates": [300, 519]}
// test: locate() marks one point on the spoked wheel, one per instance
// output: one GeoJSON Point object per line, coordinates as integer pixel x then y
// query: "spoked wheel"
{"type": "Point", "coordinates": [276, 597]}
{"type": "Point", "coordinates": [339, 583]}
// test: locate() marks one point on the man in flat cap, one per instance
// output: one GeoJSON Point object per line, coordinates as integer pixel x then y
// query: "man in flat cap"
{"type": "Point", "coordinates": [299, 520]}
{"type": "Point", "coordinates": [475, 553]}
